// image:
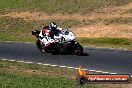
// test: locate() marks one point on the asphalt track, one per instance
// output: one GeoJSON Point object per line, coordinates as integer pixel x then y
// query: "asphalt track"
{"type": "Point", "coordinates": [118, 61]}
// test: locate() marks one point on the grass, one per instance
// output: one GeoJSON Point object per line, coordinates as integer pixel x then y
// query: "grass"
{"type": "Point", "coordinates": [20, 30]}
{"type": "Point", "coordinates": [21, 75]}
{"type": "Point", "coordinates": [34, 69]}
{"type": "Point", "coordinates": [115, 41]}
{"type": "Point", "coordinates": [19, 81]}
{"type": "Point", "coordinates": [107, 42]}
{"type": "Point", "coordinates": [58, 6]}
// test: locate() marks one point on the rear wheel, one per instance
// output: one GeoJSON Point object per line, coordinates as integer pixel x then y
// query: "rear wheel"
{"type": "Point", "coordinates": [78, 49]}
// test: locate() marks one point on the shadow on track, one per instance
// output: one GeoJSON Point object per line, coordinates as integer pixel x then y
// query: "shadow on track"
{"type": "Point", "coordinates": [83, 54]}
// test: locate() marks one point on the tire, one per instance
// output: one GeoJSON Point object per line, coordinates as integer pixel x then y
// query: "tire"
{"type": "Point", "coordinates": [40, 46]}
{"type": "Point", "coordinates": [78, 49]}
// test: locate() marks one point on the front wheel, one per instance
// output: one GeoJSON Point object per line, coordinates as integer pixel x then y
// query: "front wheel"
{"type": "Point", "coordinates": [40, 46]}
{"type": "Point", "coordinates": [78, 49]}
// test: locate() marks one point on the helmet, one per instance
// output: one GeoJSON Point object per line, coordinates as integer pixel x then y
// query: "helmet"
{"type": "Point", "coordinates": [53, 25]}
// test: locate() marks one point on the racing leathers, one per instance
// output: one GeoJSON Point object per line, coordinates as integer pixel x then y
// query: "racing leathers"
{"type": "Point", "coordinates": [47, 36]}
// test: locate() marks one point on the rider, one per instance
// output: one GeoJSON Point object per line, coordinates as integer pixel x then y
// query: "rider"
{"type": "Point", "coordinates": [47, 33]}
{"type": "Point", "coordinates": [53, 29]}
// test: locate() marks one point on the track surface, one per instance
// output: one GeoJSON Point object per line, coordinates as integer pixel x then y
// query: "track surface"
{"type": "Point", "coordinates": [98, 59]}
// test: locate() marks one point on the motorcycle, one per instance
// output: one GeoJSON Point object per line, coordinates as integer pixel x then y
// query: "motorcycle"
{"type": "Point", "coordinates": [64, 43]}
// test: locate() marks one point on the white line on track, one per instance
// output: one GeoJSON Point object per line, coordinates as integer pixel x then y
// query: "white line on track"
{"type": "Point", "coordinates": [85, 69]}
{"type": "Point", "coordinates": [20, 61]}
{"type": "Point", "coordinates": [91, 70]}
{"type": "Point", "coordinates": [105, 72]}
{"type": "Point", "coordinates": [76, 68]}
{"type": "Point", "coordinates": [11, 60]}
{"type": "Point", "coordinates": [4, 59]}
{"type": "Point", "coordinates": [70, 67]}
{"type": "Point", "coordinates": [62, 66]}
{"type": "Point", "coordinates": [39, 63]}
{"type": "Point", "coordinates": [54, 65]}
{"type": "Point", "coordinates": [98, 71]}
{"type": "Point", "coordinates": [112, 73]}
{"type": "Point", "coordinates": [28, 62]}
{"type": "Point", "coordinates": [46, 64]}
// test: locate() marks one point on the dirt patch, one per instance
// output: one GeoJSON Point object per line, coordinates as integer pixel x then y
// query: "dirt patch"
{"type": "Point", "coordinates": [98, 30]}
{"type": "Point", "coordinates": [106, 12]}
{"type": "Point", "coordinates": [38, 16]}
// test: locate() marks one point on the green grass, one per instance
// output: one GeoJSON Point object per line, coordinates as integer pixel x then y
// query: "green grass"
{"type": "Point", "coordinates": [58, 6]}
{"type": "Point", "coordinates": [20, 30]}
{"type": "Point", "coordinates": [107, 42]}
{"type": "Point", "coordinates": [9, 80]}
{"type": "Point", "coordinates": [115, 41]}
{"type": "Point", "coordinates": [34, 69]}
{"type": "Point", "coordinates": [22, 75]}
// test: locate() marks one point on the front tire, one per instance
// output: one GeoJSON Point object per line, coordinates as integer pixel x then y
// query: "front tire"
{"type": "Point", "coordinates": [78, 49]}
{"type": "Point", "coordinates": [40, 46]}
